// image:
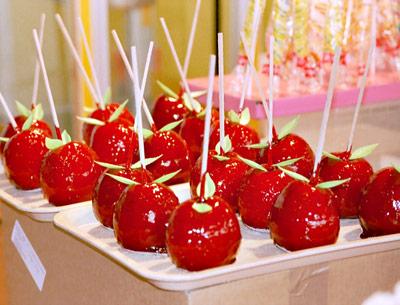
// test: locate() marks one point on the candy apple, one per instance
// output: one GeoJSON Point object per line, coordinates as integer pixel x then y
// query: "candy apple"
{"type": "Point", "coordinates": [24, 152]}
{"type": "Point", "coordinates": [304, 215]}
{"type": "Point", "coordinates": [203, 233]}
{"type": "Point", "coordinates": [141, 215]}
{"type": "Point", "coordinates": [345, 165]}
{"type": "Point", "coordinates": [68, 173]}
{"type": "Point", "coordinates": [380, 205]}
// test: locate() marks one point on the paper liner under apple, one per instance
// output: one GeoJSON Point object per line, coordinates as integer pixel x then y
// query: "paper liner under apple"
{"type": "Point", "coordinates": [379, 212]}
{"type": "Point", "coordinates": [343, 165]}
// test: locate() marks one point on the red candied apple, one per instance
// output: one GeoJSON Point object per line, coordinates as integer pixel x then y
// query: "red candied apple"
{"type": "Point", "coordinates": [240, 135]}
{"type": "Point", "coordinates": [108, 190]}
{"type": "Point", "coordinates": [114, 142]}
{"type": "Point", "coordinates": [380, 205]}
{"type": "Point", "coordinates": [290, 146]}
{"type": "Point", "coordinates": [204, 238]}
{"type": "Point", "coordinates": [192, 131]}
{"type": "Point", "coordinates": [141, 216]}
{"type": "Point", "coordinates": [227, 174]}
{"type": "Point", "coordinates": [168, 109]}
{"type": "Point", "coordinates": [23, 155]}
{"type": "Point", "coordinates": [69, 174]}
{"type": "Point", "coordinates": [104, 115]}
{"type": "Point", "coordinates": [258, 193]}
{"type": "Point", "coordinates": [174, 155]}
{"type": "Point", "coordinates": [9, 131]}
{"type": "Point", "coordinates": [304, 216]}
{"type": "Point", "coordinates": [347, 196]}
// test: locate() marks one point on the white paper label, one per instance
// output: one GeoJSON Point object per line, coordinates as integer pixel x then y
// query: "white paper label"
{"type": "Point", "coordinates": [28, 255]}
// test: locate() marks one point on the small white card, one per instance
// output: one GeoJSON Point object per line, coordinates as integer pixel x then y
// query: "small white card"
{"type": "Point", "coordinates": [28, 255]}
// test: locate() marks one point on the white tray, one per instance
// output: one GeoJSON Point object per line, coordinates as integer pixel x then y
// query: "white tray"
{"type": "Point", "coordinates": [35, 206]}
{"type": "Point", "coordinates": [257, 254]}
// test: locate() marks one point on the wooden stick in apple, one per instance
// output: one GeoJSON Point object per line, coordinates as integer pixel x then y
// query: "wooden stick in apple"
{"type": "Point", "coordinates": [207, 121]}
{"type": "Point", "coordinates": [325, 116]}
{"type": "Point", "coordinates": [176, 59]}
{"type": "Point", "coordinates": [78, 61]}
{"type": "Point", "coordinates": [131, 74]}
{"type": "Point", "coordinates": [91, 63]}
{"type": "Point", "coordinates": [8, 113]}
{"type": "Point", "coordinates": [191, 38]}
{"type": "Point", "coordinates": [247, 79]}
{"type": "Point", "coordinates": [47, 84]}
{"type": "Point", "coordinates": [36, 76]}
{"type": "Point", "coordinates": [139, 100]}
{"type": "Point", "coordinates": [221, 88]}
{"type": "Point", "coordinates": [256, 76]}
{"type": "Point", "coordinates": [361, 94]}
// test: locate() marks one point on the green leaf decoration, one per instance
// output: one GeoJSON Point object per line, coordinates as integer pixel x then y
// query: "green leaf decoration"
{"type": "Point", "coordinates": [201, 113]}
{"type": "Point", "coordinates": [293, 175]}
{"type": "Point", "coordinates": [362, 152]}
{"type": "Point", "coordinates": [196, 94]}
{"type": "Point", "coordinates": [28, 123]}
{"type": "Point", "coordinates": [22, 109]}
{"type": "Point", "coordinates": [66, 138]}
{"type": "Point", "coordinates": [186, 102]}
{"type": "Point", "coordinates": [330, 184]}
{"type": "Point", "coordinates": [91, 121]}
{"type": "Point", "coordinates": [38, 112]}
{"type": "Point", "coordinates": [147, 133]}
{"type": "Point", "coordinates": [3, 139]}
{"type": "Point", "coordinates": [167, 177]}
{"type": "Point", "coordinates": [209, 187]}
{"type": "Point", "coordinates": [118, 112]}
{"type": "Point", "coordinates": [123, 179]}
{"type": "Point", "coordinates": [201, 207]}
{"type": "Point", "coordinates": [171, 126]}
{"type": "Point", "coordinates": [287, 162]}
{"type": "Point", "coordinates": [288, 128]}
{"type": "Point", "coordinates": [233, 117]}
{"type": "Point", "coordinates": [147, 161]}
{"type": "Point", "coordinates": [107, 96]}
{"type": "Point", "coordinates": [197, 106]}
{"type": "Point", "coordinates": [167, 90]}
{"type": "Point", "coordinates": [220, 158]}
{"type": "Point", "coordinates": [397, 167]}
{"type": "Point", "coordinates": [252, 164]}
{"type": "Point", "coordinates": [109, 165]}
{"type": "Point", "coordinates": [245, 117]}
{"type": "Point", "coordinates": [88, 109]}
{"type": "Point", "coordinates": [261, 145]}
{"type": "Point", "coordinates": [331, 156]}
{"type": "Point", "coordinates": [53, 144]}
{"type": "Point", "coordinates": [226, 145]}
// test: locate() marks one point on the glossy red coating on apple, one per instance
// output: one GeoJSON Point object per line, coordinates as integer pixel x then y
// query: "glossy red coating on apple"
{"type": "Point", "coordinates": [103, 115]}
{"type": "Point", "coordinates": [9, 131]}
{"type": "Point", "coordinates": [141, 216]}
{"type": "Point", "coordinates": [175, 155]}
{"type": "Point", "coordinates": [380, 205]}
{"type": "Point", "coordinates": [290, 147]}
{"type": "Point", "coordinates": [347, 196]}
{"type": "Point", "coordinates": [167, 110]}
{"type": "Point", "coordinates": [192, 131]}
{"type": "Point", "coordinates": [23, 155]}
{"type": "Point", "coordinates": [227, 176]}
{"type": "Point", "coordinates": [198, 241]}
{"type": "Point", "coordinates": [69, 174]}
{"type": "Point", "coordinates": [258, 193]}
{"type": "Point", "coordinates": [303, 217]}
{"type": "Point", "coordinates": [240, 135]}
{"type": "Point", "coordinates": [108, 190]}
{"type": "Point", "coordinates": [115, 142]}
